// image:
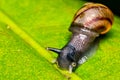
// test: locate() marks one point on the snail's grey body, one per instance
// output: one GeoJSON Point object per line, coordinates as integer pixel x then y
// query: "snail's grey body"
{"type": "Point", "coordinates": [80, 41]}
{"type": "Point", "coordinates": [82, 38]}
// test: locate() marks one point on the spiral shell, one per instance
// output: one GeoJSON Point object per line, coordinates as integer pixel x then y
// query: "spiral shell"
{"type": "Point", "coordinates": [94, 16]}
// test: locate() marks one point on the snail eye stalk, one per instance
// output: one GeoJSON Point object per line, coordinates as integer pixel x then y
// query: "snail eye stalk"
{"type": "Point", "coordinates": [58, 51]}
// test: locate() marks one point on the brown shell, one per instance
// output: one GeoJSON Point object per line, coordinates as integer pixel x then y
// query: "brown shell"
{"type": "Point", "coordinates": [94, 16]}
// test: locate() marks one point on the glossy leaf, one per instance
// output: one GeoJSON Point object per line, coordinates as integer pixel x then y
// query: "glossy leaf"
{"type": "Point", "coordinates": [27, 27]}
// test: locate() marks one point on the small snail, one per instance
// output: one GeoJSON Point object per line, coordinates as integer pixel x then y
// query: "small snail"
{"type": "Point", "coordinates": [92, 20]}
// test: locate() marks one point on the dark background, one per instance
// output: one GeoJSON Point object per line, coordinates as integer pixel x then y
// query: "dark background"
{"type": "Point", "coordinates": [114, 5]}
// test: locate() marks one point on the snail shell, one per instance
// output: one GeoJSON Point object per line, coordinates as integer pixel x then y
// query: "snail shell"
{"type": "Point", "coordinates": [95, 17]}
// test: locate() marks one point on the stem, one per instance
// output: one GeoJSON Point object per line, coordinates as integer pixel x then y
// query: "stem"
{"type": "Point", "coordinates": [5, 19]}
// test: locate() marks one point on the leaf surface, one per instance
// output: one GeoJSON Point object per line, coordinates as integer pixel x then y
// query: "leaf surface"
{"type": "Point", "coordinates": [47, 23]}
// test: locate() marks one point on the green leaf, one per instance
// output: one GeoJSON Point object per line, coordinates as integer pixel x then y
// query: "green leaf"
{"type": "Point", "coordinates": [27, 27]}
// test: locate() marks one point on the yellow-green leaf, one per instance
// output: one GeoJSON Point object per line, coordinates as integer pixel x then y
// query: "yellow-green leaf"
{"type": "Point", "coordinates": [27, 27]}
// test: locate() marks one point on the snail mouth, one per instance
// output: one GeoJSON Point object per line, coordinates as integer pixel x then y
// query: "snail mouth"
{"type": "Point", "coordinates": [63, 63]}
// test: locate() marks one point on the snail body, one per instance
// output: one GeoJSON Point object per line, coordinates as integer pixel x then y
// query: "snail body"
{"type": "Point", "coordinates": [92, 20]}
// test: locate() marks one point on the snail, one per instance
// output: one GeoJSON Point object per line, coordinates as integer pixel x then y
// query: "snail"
{"type": "Point", "coordinates": [91, 21]}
